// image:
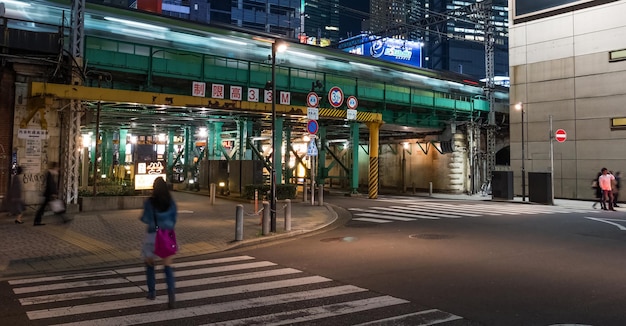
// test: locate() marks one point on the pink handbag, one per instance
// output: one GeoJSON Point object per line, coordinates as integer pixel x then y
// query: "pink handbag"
{"type": "Point", "coordinates": [164, 241]}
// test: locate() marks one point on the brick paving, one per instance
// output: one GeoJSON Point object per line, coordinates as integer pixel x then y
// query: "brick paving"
{"type": "Point", "coordinates": [110, 238]}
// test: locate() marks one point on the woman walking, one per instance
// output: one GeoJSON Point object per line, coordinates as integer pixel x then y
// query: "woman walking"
{"type": "Point", "coordinates": [16, 200]}
{"type": "Point", "coordinates": [159, 209]}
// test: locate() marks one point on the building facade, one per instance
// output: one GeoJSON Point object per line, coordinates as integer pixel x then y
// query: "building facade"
{"type": "Point", "coordinates": [455, 44]}
{"type": "Point", "coordinates": [568, 64]}
{"type": "Point", "coordinates": [321, 21]}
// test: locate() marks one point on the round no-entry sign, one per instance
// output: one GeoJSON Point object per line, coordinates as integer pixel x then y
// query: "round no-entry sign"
{"type": "Point", "coordinates": [560, 135]}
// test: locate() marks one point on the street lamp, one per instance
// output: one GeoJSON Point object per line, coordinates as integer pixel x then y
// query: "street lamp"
{"type": "Point", "coordinates": [276, 47]}
{"type": "Point", "coordinates": [520, 107]}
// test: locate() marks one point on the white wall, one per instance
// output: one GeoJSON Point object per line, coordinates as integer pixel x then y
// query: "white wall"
{"type": "Point", "coordinates": [560, 67]}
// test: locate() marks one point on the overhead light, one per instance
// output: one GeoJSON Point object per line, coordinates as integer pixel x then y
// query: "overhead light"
{"type": "Point", "coordinates": [137, 24]}
{"type": "Point", "coordinates": [228, 41]}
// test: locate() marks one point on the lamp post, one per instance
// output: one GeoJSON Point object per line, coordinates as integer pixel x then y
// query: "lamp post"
{"type": "Point", "coordinates": [520, 107]}
{"type": "Point", "coordinates": [273, 174]}
{"type": "Point", "coordinates": [277, 46]}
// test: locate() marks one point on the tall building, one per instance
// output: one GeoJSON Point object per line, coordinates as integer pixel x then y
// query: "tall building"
{"type": "Point", "coordinates": [282, 17]}
{"type": "Point", "coordinates": [449, 44]}
{"type": "Point", "coordinates": [386, 15]}
{"type": "Point", "coordinates": [321, 21]}
{"type": "Point", "coordinates": [273, 16]}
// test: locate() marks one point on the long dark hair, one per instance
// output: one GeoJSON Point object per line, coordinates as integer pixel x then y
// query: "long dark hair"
{"type": "Point", "coordinates": [161, 198]}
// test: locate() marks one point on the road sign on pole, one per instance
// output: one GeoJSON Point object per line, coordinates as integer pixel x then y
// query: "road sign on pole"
{"type": "Point", "coordinates": [311, 149]}
{"type": "Point", "coordinates": [312, 126]}
{"type": "Point", "coordinates": [560, 135]}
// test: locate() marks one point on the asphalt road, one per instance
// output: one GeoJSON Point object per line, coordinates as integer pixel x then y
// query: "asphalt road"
{"type": "Point", "coordinates": [524, 265]}
{"type": "Point", "coordinates": [394, 262]}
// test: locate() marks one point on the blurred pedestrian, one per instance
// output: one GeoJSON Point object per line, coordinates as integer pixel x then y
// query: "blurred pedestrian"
{"type": "Point", "coordinates": [159, 208]}
{"type": "Point", "coordinates": [15, 197]}
{"type": "Point", "coordinates": [605, 181]}
{"type": "Point", "coordinates": [51, 191]}
{"type": "Point", "coordinates": [595, 185]}
{"type": "Point", "coordinates": [618, 179]}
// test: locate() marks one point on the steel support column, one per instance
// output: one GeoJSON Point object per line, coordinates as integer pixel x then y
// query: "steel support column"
{"type": "Point", "coordinates": [354, 140]}
{"type": "Point", "coordinates": [374, 129]}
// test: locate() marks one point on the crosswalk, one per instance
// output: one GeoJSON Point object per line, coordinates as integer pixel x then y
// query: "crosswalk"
{"type": "Point", "coordinates": [434, 210]}
{"type": "Point", "coordinates": [237, 290]}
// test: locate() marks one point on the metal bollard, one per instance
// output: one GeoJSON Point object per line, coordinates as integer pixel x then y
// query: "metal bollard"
{"type": "Point", "coordinates": [212, 194]}
{"type": "Point", "coordinates": [305, 189]}
{"type": "Point", "coordinates": [287, 214]}
{"type": "Point", "coordinates": [266, 218]}
{"type": "Point", "coordinates": [239, 223]}
{"type": "Point", "coordinates": [320, 194]}
{"type": "Point", "coordinates": [430, 189]}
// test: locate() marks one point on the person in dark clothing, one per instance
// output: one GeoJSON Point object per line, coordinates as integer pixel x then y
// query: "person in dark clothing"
{"type": "Point", "coordinates": [598, 192]}
{"type": "Point", "coordinates": [15, 198]}
{"type": "Point", "coordinates": [618, 179]}
{"type": "Point", "coordinates": [51, 191]}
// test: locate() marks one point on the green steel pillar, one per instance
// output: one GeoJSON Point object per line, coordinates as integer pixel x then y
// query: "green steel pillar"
{"type": "Point", "coordinates": [207, 141]}
{"type": "Point", "coordinates": [188, 149]}
{"type": "Point", "coordinates": [242, 135]}
{"type": "Point", "coordinates": [250, 132]}
{"type": "Point", "coordinates": [107, 153]}
{"type": "Point", "coordinates": [95, 142]}
{"type": "Point", "coordinates": [170, 153]}
{"type": "Point", "coordinates": [288, 169]}
{"type": "Point", "coordinates": [278, 140]}
{"type": "Point", "coordinates": [354, 135]}
{"type": "Point", "coordinates": [210, 143]}
{"type": "Point", "coordinates": [217, 137]}
{"type": "Point", "coordinates": [123, 134]}
{"type": "Point", "coordinates": [322, 173]}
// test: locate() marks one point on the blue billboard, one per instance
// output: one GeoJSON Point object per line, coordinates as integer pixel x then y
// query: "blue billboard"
{"type": "Point", "coordinates": [389, 49]}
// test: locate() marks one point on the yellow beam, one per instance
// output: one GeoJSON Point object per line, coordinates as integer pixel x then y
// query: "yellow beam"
{"type": "Point", "coordinates": [84, 93]}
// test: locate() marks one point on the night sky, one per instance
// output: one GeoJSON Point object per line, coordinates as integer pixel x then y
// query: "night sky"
{"type": "Point", "coordinates": [350, 22]}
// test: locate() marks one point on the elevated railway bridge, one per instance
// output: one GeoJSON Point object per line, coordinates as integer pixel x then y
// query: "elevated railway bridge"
{"type": "Point", "coordinates": [146, 88]}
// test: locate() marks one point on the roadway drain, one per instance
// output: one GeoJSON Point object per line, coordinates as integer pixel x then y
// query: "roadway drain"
{"type": "Point", "coordinates": [339, 239]}
{"type": "Point", "coordinates": [430, 236]}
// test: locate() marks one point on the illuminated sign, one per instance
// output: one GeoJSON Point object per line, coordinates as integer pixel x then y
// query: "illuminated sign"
{"type": "Point", "coordinates": [389, 49]}
{"type": "Point", "coordinates": [145, 181]}
{"type": "Point", "coordinates": [147, 172]}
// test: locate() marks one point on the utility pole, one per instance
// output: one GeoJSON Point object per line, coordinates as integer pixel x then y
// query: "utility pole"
{"type": "Point", "coordinates": [71, 118]}
{"type": "Point", "coordinates": [486, 12]}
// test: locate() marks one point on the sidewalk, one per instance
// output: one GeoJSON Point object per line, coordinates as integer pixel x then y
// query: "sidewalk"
{"type": "Point", "coordinates": [105, 238]}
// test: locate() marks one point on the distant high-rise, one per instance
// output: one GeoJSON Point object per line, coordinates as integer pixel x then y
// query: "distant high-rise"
{"type": "Point", "coordinates": [388, 15]}
{"type": "Point", "coordinates": [321, 20]}
{"type": "Point", "coordinates": [464, 52]}
{"type": "Point", "coordinates": [281, 17]}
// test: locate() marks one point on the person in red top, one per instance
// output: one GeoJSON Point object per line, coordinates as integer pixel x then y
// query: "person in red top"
{"type": "Point", "coordinates": [605, 182]}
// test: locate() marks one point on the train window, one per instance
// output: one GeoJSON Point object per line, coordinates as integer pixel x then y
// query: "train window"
{"type": "Point", "coordinates": [126, 48]}
{"type": "Point", "coordinates": [142, 50]}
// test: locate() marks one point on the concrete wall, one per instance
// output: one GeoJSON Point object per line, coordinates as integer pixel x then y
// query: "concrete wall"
{"type": "Point", "coordinates": [33, 155]}
{"type": "Point", "coordinates": [447, 172]}
{"type": "Point", "coordinates": [560, 67]}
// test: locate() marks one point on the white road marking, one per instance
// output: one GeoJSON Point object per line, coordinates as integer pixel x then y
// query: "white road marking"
{"type": "Point", "coordinates": [214, 308]}
{"type": "Point", "coordinates": [605, 220]}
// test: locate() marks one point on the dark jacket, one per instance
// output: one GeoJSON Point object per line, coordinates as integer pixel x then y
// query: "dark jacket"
{"type": "Point", "coordinates": [51, 185]}
{"type": "Point", "coordinates": [166, 219]}
{"type": "Point", "coordinates": [14, 197]}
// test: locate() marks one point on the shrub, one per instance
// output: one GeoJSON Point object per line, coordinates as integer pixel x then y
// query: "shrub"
{"type": "Point", "coordinates": [283, 191]}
